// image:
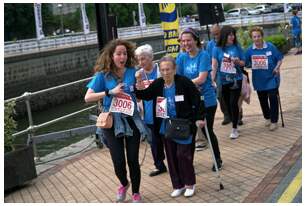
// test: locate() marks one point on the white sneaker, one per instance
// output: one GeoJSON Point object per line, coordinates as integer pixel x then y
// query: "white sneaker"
{"type": "Point", "coordinates": [234, 134]}
{"type": "Point", "coordinates": [273, 126]}
{"type": "Point", "coordinates": [177, 192]}
{"type": "Point", "coordinates": [189, 192]}
{"type": "Point", "coordinates": [267, 122]}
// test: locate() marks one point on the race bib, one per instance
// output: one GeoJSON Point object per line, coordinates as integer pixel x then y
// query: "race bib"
{"type": "Point", "coordinates": [227, 66]}
{"type": "Point", "coordinates": [122, 103]}
{"type": "Point", "coordinates": [259, 62]}
{"type": "Point", "coordinates": [147, 83]}
{"type": "Point", "coordinates": [161, 107]}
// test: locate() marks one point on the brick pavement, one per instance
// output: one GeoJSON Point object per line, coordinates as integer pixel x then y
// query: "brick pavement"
{"type": "Point", "coordinates": [250, 162]}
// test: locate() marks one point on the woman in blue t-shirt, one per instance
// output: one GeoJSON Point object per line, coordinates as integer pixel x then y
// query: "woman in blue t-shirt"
{"type": "Point", "coordinates": [114, 83]}
{"type": "Point", "coordinates": [227, 60]}
{"type": "Point", "coordinates": [147, 73]}
{"type": "Point", "coordinates": [196, 65]}
{"type": "Point", "coordinates": [265, 60]}
{"type": "Point", "coordinates": [175, 96]}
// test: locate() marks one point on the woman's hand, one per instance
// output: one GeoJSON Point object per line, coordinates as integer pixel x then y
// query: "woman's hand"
{"type": "Point", "coordinates": [140, 85]}
{"type": "Point", "coordinates": [117, 90]}
{"type": "Point", "coordinates": [138, 76]}
{"type": "Point", "coordinates": [200, 123]}
{"type": "Point", "coordinates": [236, 60]}
{"type": "Point", "coordinates": [276, 71]}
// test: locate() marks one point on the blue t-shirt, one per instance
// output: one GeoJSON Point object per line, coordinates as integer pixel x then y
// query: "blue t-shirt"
{"type": "Point", "coordinates": [148, 105]}
{"type": "Point", "coordinates": [169, 93]}
{"type": "Point", "coordinates": [210, 46]}
{"type": "Point", "coordinates": [296, 25]}
{"type": "Point", "coordinates": [191, 68]}
{"type": "Point", "coordinates": [263, 62]}
{"type": "Point", "coordinates": [223, 55]}
{"type": "Point", "coordinates": [102, 81]}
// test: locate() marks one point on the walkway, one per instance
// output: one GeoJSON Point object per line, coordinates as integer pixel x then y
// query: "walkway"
{"type": "Point", "coordinates": [254, 164]}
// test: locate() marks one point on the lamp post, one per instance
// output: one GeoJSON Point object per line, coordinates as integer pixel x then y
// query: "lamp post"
{"type": "Point", "coordinates": [60, 6]}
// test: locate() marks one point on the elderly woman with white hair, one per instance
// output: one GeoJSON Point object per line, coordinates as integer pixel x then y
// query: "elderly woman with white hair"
{"type": "Point", "coordinates": [147, 73]}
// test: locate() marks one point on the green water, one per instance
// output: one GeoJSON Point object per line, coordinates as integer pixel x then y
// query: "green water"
{"type": "Point", "coordinates": [53, 113]}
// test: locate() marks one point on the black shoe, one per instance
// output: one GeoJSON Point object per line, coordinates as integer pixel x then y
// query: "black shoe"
{"type": "Point", "coordinates": [240, 122]}
{"type": "Point", "coordinates": [157, 172]}
{"type": "Point", "coordinates": [219, 164]}
{"type": "Point", "coordinates": [226, 121]}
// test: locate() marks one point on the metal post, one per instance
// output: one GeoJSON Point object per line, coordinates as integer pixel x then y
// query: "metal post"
{"type": "Point", "coordinates": [27, 96]}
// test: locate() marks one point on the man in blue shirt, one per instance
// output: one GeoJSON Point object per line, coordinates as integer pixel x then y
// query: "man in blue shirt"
{"type": "Point", "coordinates": [215, 31]}
{"type": "Point", "coordinates": [296, 31]}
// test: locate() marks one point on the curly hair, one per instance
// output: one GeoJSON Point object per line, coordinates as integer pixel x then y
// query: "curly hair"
{"type": "Point", "coordinates": [105, 62]}
{"type": "Point", "coordinates": [225, 32]}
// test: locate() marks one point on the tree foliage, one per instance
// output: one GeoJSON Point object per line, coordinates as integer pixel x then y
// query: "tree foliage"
{"type": "Point", "coordinates": [19, 16]}
{"type": "Point", "coordinates": [10, 126]}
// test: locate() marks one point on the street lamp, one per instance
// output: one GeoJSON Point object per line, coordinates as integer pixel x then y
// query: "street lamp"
{"type": "Point", "coordinates": [60, 6]}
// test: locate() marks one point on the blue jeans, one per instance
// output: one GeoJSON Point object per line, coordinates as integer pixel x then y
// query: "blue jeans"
{"type": "Point", "coordinates": [297, 40]}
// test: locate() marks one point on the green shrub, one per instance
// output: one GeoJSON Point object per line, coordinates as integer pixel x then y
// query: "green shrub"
{"type": "Point", "coordinates": [279, 40]}
{"type": "Point", "coordinates": [10, 126]}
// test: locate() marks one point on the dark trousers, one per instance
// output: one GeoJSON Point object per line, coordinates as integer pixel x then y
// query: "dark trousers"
{"type": "Point", "coordinates": [222, 103]}
{"type": "Point", "coordinates": [210, 118]}
{"type": "Point", "coordinates": [157, 148]}
{"type": "Point", "coordinates": [269, 104]}
{"type": "Point", "coordinates": [180, 163]}
{"type": "Point", "coordinates": [116, 147]}
{"type": "Point", "coordinates": [231, 96]}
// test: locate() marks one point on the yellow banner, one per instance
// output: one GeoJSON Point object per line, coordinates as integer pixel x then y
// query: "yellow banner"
{"type": "Point", "coordinates": [170, 25]}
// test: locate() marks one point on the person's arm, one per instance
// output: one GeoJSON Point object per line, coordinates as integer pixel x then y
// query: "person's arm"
{"type": "Point", "coordinates": [200, 79]}
{"type": "Point", "coordinates": [214, 67]}
{"type": "Point", "coordinates": [92, 96]}
{"type": "Point", "coordinates": [150, 92]}
{"type": "Point", "coordinates": [276, 70]}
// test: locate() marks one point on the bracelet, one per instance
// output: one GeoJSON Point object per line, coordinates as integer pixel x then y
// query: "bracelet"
{"type": "Point", "coordinates": [107, 92]}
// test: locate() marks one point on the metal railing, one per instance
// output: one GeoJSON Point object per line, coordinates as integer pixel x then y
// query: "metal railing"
{"type": "Point", "coordinates": [76, 39]}
{"type": "Point", "coordinates": [32, 127]}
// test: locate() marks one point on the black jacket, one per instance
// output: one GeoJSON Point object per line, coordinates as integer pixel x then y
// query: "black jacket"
{"type": "Point", "coordinates": [191, 108]}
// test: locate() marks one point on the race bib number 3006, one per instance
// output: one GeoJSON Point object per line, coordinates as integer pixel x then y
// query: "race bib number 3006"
{"type": "Point", "coordinates": [122, 103]}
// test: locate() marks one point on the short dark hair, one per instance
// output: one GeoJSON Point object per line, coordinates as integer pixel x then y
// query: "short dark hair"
{"type": "Point", "coordinates": [258, 29]}
{"type": "Point", "coordinates": [225, 32]}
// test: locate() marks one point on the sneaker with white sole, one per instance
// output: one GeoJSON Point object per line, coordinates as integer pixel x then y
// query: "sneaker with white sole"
{"type": "Point", "coordinates": [177, 192]}
{"type": "Point", "coordinates": [136, 198]}
{"type": "Point", "coordinates": [267, 122]}
{"type": "Point", "coordinates": [234, 134]}
{"type": "Point", "coordinates": [121, 193]}
{"type": "Point", "coordinates": [273, 126]}
{"type": "Point", "coordinates": [189, 192]}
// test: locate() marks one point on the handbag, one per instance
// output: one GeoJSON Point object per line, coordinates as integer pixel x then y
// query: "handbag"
{"type": "Point", "coordinates": [105, 120]}
{"type": "Point", "coordinates": [177, 128]}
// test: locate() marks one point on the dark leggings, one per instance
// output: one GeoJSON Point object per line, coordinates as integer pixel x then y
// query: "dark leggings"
{"type": "Point", "coordinates": [231, 97]}
{"type": "Point", "coordinates": [116, 146]}
{"type": "Point", "coordinates": [210, 117]}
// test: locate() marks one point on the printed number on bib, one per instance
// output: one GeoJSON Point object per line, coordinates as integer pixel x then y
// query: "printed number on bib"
{"type": "Point", "coordinates": [122, 103]}
{"type": "Point", "coordinates": [259, 62]}
{"type": "Point", "coordinates": [227, 66]}
{"type": "Point", "coordinates": [161, 107]}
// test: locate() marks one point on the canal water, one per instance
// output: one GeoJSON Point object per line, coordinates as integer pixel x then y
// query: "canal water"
{"type": "Point", "coordinates": [53, 113]}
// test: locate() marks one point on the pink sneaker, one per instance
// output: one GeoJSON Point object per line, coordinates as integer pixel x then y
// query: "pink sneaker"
{"type": "Point", "coordinates": [136, 198]}
{"type": "Point", "coordinates": [121, 193]}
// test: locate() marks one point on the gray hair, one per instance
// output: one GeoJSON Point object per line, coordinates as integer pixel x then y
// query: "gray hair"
{"type": "Point", "coordinates": [167, 58]}
{"type": "Point", "coordinates": [144, 50]}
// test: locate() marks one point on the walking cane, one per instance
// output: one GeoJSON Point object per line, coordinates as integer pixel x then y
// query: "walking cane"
{"type": "Point", "coordinates": [280, 108]}
{"type": "Point", "coordinates": [214, 158]}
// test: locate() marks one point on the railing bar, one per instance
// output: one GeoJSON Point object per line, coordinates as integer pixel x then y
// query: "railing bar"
{"type": "Point", "coordinates": [53, 121]}
{"type": "Point", "coordinates": [63, 117]}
